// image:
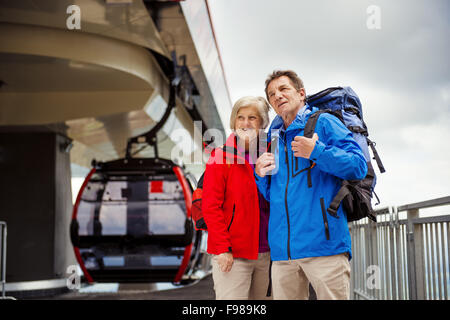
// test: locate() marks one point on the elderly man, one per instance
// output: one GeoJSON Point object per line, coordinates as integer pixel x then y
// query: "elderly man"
{"type": "Point", "coordinates": [307, 244]}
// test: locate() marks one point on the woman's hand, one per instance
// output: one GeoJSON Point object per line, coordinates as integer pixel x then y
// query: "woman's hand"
{"type": "Point", "coordinates": [225, 261]}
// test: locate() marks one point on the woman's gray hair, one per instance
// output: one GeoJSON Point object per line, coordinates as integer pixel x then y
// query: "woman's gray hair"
{"type": "Point", "coordinates": [250, 101]}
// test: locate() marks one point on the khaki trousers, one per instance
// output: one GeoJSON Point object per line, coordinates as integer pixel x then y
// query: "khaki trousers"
{"type": "Point", "coordinates": [329, 276]}
{"type": "Point", "coordinates": [247, 280]}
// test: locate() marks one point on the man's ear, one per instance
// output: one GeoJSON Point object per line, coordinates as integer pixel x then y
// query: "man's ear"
{"type": "Point", "coordinates": [302, 93]}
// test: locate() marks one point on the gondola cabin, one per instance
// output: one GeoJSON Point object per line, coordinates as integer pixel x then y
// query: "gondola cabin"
{"type": "Point", "coordinates": [131, 223]}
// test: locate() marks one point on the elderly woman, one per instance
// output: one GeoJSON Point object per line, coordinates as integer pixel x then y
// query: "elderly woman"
{"type": "Point", "coordinates": [234, 211]}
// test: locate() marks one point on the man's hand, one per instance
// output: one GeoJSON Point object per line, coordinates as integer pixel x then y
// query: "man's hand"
{"type": "Point", "coordinates": [303, 147]}
{"type": "Point", "coordinates": [265, 163]}
{"type": "Point", "coordinates": [225, 261]}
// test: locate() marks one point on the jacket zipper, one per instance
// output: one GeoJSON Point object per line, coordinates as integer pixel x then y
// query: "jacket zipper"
{"type": "Point", "coordinates": [232, 217]}
{"type": "Point", "coordinates": [325, 219]}
{"type": "Point", "coordinates": [286, 204]}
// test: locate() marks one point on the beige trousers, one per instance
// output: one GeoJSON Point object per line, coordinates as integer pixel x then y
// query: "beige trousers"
{"type": "Point", "coordinates": [329, 276]}
{"type": "Point", "coordinates": [247, 280]}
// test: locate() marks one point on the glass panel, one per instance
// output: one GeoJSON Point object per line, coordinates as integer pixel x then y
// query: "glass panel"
{"type": "Point", "coordinates": [113, 191]}
{"type": "Point", "coordinates": [85, 218]}
{"type": "Point", "coordinates": [113, 261]}
{"type": "Point", "coordinates": [165, 261]}
{"type": "Point", "coordinates": [113, 217]}
{"type": "Point", "coordinates": [166, 219]}
{"type": "Point", "coordinates": [91, 191]}
{"type": "Point", "coordinates": [138, 207]}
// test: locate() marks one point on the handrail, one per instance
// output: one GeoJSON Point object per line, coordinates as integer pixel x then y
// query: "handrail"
{"type": "Point", "coordinates": [382, 210]}
{"type": "Point", "coordinates": [425, 204]}
{"type": "Point", "coordinates": [417, 205]}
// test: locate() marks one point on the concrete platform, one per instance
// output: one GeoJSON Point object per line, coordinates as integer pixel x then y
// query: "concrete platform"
{"type": "Point", "coordinates": [201, 290]}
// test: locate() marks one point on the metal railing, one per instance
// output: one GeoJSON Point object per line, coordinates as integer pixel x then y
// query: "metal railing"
{"type": "Point", "coordinates": [402, 259]}
{"type": "Point", "coordinates": [3, 234]}
{"type": "Point", "coordinates": [3, 256]}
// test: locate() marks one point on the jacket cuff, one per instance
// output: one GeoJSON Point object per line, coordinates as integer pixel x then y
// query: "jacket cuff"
{"type": "Point", "coordinates": [260, 181]}
{"type": "Point", "coordinates": [317, 151]}
{"type": "Point", "coordinates": [223, 249]}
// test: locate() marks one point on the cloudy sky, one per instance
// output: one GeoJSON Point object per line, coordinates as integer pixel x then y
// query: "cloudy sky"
{"type": "Point", "coordinates": [394, 54]}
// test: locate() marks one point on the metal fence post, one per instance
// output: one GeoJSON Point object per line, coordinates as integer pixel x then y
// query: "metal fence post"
{"type": "Point", "coordinates": [372, 226]}
{"type": "Point", "coordinates": [3, 256]}
{"type": "Point", "coordinates": [3, 260]}
{"type": "Point", "coordinates": [412, 240]}
{"type": "Point", "coordinates": [419, 260]}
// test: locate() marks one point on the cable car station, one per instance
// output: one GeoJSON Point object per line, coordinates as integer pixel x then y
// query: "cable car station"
{"type": "Point", "coordinates": [95, 91]}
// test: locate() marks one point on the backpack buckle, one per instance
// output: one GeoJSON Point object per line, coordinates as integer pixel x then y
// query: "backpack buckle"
{"type": "Point", "coordinates": [332, 212]}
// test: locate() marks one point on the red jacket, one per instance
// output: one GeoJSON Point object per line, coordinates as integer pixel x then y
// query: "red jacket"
{"type": "Point", "coordinates": [230, 204]}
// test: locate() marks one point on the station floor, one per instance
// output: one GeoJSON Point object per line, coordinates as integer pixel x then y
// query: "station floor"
{"type": "Point", "coordinates": [201, 290]}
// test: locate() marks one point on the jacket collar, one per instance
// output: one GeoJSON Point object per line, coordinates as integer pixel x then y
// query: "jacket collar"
{"type": "Point", "coordinates": [299, 122]}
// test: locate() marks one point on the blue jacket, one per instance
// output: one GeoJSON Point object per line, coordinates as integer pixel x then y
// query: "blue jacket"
{"type": "Point", "coordinates": [299, 225]}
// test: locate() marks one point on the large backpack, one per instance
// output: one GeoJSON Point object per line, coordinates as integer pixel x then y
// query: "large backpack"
{"type": "Point", "coordinates": [196, 209]}
{"type": "Point", "coordinates": [355, 195]}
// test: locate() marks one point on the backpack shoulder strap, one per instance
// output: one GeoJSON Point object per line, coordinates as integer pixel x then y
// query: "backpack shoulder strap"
{"type": "Point", "coordinates": [200, 181]}
{"type": "Point", "coordinates": [311, 124]}
{"type": "Point", "coordinates": [312, 121]}
{"type": "Point", "coordinates": [308, 133]}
